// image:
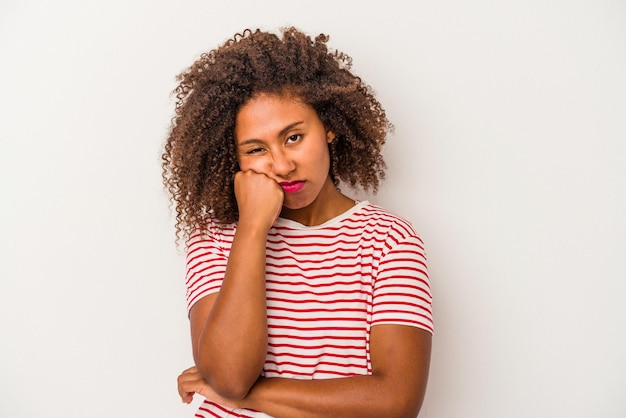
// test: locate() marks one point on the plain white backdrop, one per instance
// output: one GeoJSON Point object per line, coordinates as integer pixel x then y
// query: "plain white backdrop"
{"type": "Point", "coordinates": [508, 157]}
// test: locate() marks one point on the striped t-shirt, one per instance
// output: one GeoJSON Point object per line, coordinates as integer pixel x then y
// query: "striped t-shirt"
{"type": "Point", "coordinates": [326, 286]}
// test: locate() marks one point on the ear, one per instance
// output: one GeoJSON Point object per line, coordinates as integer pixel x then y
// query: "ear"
{"type": "Point", "coordinates": [330, 136]}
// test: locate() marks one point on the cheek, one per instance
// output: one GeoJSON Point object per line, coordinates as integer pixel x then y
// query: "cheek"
{"type": "Point", "coordinates": [254, 164]}
{"type": "Point", "coordinates": [324, 156]}
{"type": "Point", "coordinates": [242, 164]}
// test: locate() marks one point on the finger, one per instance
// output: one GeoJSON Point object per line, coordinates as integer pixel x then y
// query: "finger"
{"type": "Point", "coordinates": [187, 389]}
{"type": "Point", "coordinates": [189, 370]}
{"type": "Point", "coordinates": [185, 395]}
{"type": "Point", "coordinates": [188, 375]}
{"type": "Point", "coordinates": [187, 398]}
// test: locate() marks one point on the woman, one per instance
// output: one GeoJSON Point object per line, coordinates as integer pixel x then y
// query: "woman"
{"type": "Point", "coordinates": [302, 301]}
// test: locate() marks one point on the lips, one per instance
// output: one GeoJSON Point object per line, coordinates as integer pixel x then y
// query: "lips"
{"type": "Point", "coordinates": [292, 186]}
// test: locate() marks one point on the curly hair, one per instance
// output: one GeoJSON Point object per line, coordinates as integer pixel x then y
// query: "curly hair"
{"type": "Point", "coordinates": [199, 159]}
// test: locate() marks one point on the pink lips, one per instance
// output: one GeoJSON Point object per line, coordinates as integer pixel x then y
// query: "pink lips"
{"type": "Point", "coordinates": [292, 186]}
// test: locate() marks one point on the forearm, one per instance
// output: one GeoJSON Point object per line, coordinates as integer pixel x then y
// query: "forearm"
{"type": "Point", "coordinates": [359, 396]}
{"type": "Point", "coordinates": [400, 357]}
{"type": "Point", "coordinates": [232, 345]}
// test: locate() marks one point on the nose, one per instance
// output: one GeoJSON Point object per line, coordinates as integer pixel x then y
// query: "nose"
{"type": "Point", "coordinates": [282, 164]}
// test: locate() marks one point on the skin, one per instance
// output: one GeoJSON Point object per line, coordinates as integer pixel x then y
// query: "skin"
{"type": "Point", "coordinates": [282, 141]}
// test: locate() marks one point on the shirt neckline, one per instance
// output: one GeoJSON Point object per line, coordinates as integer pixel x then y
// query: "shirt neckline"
{"type": "Point", "coordinates": [283, 222]}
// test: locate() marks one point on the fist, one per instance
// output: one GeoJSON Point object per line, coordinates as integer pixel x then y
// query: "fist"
{"type": "Point", "coordinates": [259, 198]}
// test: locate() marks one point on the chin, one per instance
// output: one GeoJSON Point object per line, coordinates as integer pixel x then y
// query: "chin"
{"type": "Point", "coordinates": [300, 204]}
{"type": "Point", "coordinates": [294, 207]}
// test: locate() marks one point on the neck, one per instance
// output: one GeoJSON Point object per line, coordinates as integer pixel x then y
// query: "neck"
{"type": "Point", "coordinates": [329, 203]}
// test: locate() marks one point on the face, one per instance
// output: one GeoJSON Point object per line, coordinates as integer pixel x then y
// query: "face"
{"type": "Point", "coordinates": [283, 138]}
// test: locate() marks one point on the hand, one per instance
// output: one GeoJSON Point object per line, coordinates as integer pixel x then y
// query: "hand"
{"type": "Point", "coordinates": [259, 198]}
{"type": "Point", "coordinates": [191, 382]}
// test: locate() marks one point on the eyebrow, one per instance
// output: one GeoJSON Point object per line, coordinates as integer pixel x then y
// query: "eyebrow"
{"type": "Point", "coordinates": [281, 133]}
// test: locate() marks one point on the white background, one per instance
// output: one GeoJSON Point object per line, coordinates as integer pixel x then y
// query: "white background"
{"type": "Point", "coordinates": [508, 157]}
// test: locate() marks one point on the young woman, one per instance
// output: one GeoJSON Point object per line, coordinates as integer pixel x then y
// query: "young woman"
{"type": "Point", "coordinates": [302, 301]}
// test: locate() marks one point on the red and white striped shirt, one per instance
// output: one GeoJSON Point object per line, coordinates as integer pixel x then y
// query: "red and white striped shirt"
{"type": "Point", "coordinates": [326, 286]}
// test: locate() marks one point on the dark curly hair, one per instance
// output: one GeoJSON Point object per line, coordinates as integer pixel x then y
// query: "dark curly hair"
{"type": "Point", "coordinates": [199, 159]}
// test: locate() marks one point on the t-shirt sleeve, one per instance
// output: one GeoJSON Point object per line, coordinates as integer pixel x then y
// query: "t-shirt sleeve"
{"type": "Point", "coordinates": [402, 292]}
{"type": "Point", "coordinates": [206, 266]}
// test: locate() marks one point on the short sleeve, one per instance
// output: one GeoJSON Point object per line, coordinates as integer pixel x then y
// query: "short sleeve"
{"type": "Point", "coordinates": [402, 293]}
{"type": "Point", "coordinates": [206, 265]}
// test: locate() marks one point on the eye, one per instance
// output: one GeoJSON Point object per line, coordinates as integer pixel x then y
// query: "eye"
{"type": "Point", "coordinates": [294, 138]}
{"type": "Point", "coordinates": [254, 151]}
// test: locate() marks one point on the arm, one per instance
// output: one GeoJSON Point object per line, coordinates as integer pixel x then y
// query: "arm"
{"type": "Point", "coordinates": [400, 362]}
{"type": "Point", "coordinates": [221, 322]}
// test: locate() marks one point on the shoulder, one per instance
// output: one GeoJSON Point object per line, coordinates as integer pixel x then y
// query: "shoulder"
{"type": "Point", "coordinates": [214, 234]}
{"type": "Point", "coordinates": [387, 221]}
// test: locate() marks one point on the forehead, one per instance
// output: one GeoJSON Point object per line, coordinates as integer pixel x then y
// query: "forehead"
{"type": "Point", "coordinates": [267, 113]}
{"type": "Point", "coordinates": [264, 106]}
